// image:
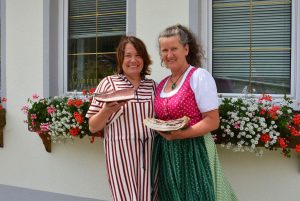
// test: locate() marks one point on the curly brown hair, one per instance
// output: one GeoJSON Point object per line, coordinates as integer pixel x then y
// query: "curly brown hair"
{"type": "Point", "coordinates": [186, 37]}
{"type": "Point", "coordinates": [140, 48]}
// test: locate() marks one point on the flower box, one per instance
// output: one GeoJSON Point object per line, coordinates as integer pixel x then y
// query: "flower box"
{"type": "Point", "coordinates": [251, 124]}
{"type": "Point", "coordinates": [59, 119]}
{"type": "Point", "coordinates": [45, 137]}
{"type": "Point", "coordinates": [2, 124]}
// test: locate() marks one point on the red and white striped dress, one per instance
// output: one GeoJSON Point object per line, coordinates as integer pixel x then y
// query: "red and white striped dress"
{"type": "Point", "coordinates": [127, 142]}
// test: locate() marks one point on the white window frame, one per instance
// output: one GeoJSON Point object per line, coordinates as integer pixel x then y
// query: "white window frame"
{"type": "Point", "coordinates": [201, 23]}
{"type": "Point", "coordinates": [63, 40]}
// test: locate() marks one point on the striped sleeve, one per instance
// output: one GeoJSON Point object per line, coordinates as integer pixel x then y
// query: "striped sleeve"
{"type": "Point", "coordinates": [96, 105]}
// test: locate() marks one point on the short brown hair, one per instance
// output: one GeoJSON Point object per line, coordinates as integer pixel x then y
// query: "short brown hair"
{"type": "Point", "coordinates": [140, 48]}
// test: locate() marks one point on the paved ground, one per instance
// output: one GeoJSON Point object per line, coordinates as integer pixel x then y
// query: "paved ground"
{"type": "Point", "coordinates": [10, 193]}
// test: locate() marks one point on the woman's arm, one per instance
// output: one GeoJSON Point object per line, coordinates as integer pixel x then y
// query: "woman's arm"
{"type": "Point", "coordinates": [209, 123]}
{"type": "Point", "coordinates": [98, 121]}
{"type": "Point", "coordinates": [206, 96]}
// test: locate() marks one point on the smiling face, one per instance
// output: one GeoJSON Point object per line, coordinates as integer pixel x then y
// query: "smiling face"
{"type": "Point", "coordinates": [133, 63]}
{"type": "Point", "coordinates": [173, 53]}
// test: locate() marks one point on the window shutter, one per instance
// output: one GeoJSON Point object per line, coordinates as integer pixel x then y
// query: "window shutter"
{"type": "Point", "coordinates": [91, 18]}
{"type": "Point", "coordinates": [252, 45]}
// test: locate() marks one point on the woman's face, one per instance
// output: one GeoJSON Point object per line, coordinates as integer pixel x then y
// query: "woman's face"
{"type": "Point", "coordinates": [172, 53]}
{"type": "Point", "coordinates": [133, 62]}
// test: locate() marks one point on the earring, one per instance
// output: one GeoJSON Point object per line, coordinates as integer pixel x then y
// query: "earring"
{"type": "Point", "coordinates": [162, 64]}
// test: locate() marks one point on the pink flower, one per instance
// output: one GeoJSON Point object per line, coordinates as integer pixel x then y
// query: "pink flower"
{"type": "Point", "coordinates": [44, 127]}
{"type": "Point", "coordinates": [33, 116]}
{"type": "Point", "coordinates": [50, 109]}
{"type": "Point", "coordinates": [25, 109]}
{"type": "Point", "coordinates": [35, 96]}
{"type": "Point", "coordinates": [237, 125]}
{"type": "Point", "coordinates": [2, 100]}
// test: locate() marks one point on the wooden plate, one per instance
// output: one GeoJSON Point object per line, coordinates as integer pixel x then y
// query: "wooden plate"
{"type": "Point", "coordinates": [119, 95]}
{"type": "Point", "coordinates": [171, 125]}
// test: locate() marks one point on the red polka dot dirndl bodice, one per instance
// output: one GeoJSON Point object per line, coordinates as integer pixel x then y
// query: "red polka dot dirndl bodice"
{"type": "Point", "coordinates": [183, 103]}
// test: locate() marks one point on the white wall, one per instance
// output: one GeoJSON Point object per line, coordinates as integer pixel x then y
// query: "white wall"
{"type": "Point", "coordinates": [78, 169]}
{"type": "Point", "coordinates": [269, 178]}
{"type": "Point", "coordinates": [151, 18]}
{"type": "Point", "coordinates": [75, 169]}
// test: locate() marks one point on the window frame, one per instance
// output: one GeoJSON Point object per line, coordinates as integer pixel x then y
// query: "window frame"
{"type": "Point", "coordinates": [63, 40]}
{"type": "Point", "coordinates": [202, 26]}
{"type": "Point", "coordinates": [3, 49]}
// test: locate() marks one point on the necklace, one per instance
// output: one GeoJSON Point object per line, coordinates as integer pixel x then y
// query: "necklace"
{"type": "Point", "coordinates": [173, 86]}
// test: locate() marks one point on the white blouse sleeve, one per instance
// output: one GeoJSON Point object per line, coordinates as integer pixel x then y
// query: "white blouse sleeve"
{"type": "Point", "coordinates": [205, 90]}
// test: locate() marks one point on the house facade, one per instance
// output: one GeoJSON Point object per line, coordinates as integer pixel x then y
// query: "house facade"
{"type": "Point", "coordinates": [37, 56]}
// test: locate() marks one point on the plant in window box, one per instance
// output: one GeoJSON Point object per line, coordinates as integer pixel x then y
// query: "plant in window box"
{"type": "Point", "coordinates": [250, 124]}
{"type": "Point", "coordinates": [58, 119]}
{"type": "Point", "coordinates": [2, 119]}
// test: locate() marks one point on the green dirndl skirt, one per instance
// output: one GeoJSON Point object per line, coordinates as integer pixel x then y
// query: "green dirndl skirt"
{"type": "Point", "coordinates": [183, 171]}
{"type": "Point", "coordinates": [189, 170]}
{"type": "Point", "coordinates": [223, 190]}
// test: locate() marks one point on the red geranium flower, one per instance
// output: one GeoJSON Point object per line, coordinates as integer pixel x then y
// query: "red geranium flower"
{"type": "Point", "coordinates": [78, 102]}
{"type": "Point", "coordinates": [92, 90]}
{"type": "Point", "coordinates": [74, 131]}
{"type": "Point", "coordinates": [266, 98]}
{"type": "Point", "coordinates": [78, 117]}
{"type": "Point", "coordinates": [282, 142]}
{"type": "Point", "coordinates": [70, 102]}
{"type": "Point", "coordinates": [296, 119]}
{"type": "Point", "coordinates": [297, 148]}
{"type": "Point", "coordinates": [264, 138]}
{"type": "Point", "coordinates": [273, 111]}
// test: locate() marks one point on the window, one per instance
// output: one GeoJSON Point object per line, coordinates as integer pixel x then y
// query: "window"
{"type": "Point", "coordinates": [0, 48]}
{"type": "Point", "coordinates": [94, 30]}
{"type": "Point", "coordinates": [2, 6]}
{"type": "Point", "coordinates": [251, 45]}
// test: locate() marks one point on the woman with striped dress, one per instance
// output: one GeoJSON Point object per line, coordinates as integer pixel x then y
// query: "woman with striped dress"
{"type": "Point", "coordinates": [127, 142]}
{"type": "Point", "coordinates": [185, 162]}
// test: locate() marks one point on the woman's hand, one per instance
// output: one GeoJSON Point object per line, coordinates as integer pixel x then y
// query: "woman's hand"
{"type": "Point", "coordinates": [98, 121]}
{"type": "Point", "coordinates": [210, 121]}
{"type": "Point", "coordinates": [172, 135]}
{"type": "Point", "coordinates": [112, 107]}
